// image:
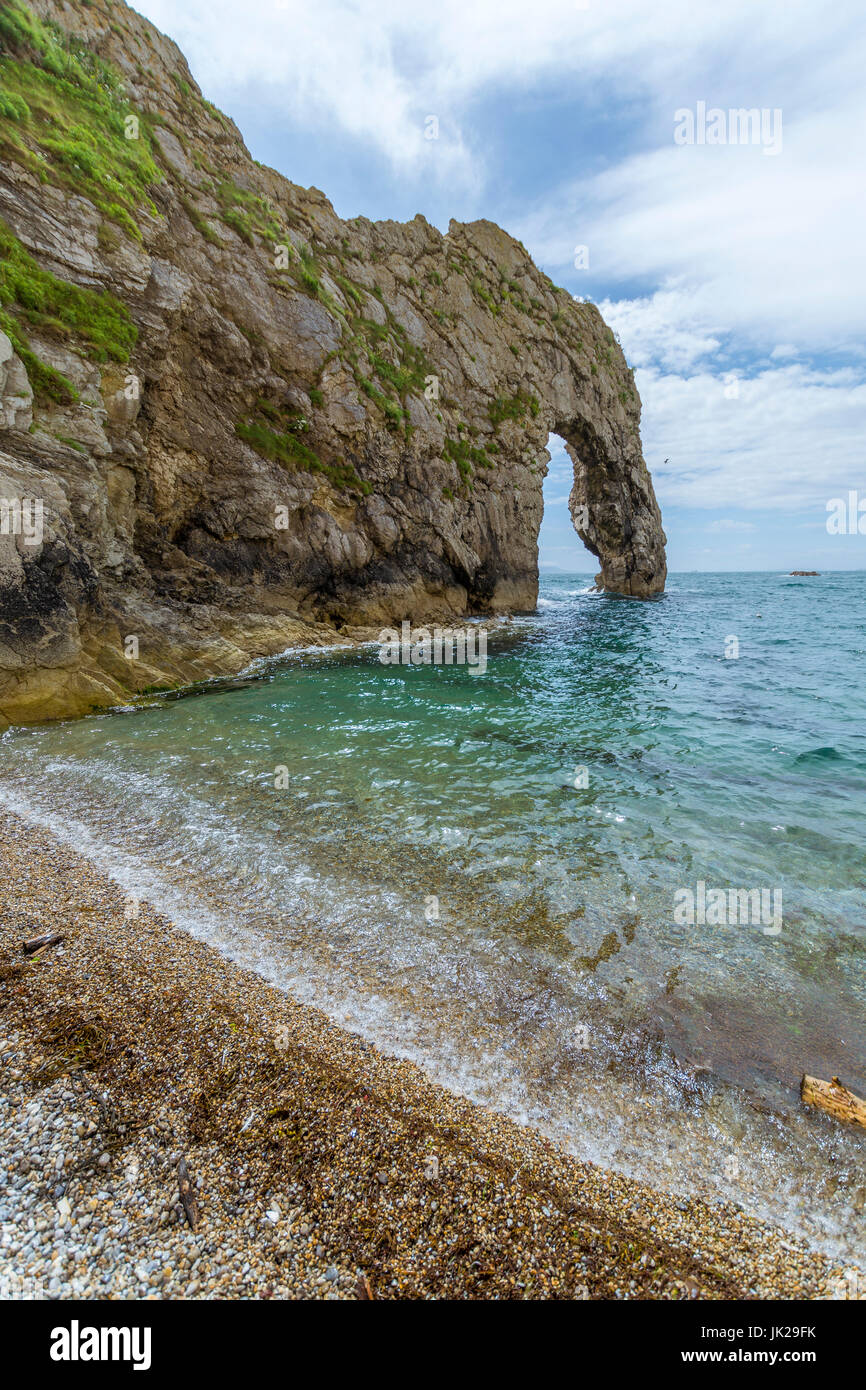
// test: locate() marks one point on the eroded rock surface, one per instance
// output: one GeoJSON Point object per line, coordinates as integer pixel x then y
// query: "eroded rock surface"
{"type": "Point", "coordinates": [260, 422]}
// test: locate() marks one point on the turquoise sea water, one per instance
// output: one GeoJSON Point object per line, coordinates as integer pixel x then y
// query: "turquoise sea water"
{"type": "Point", "coordinates": [432, 875]}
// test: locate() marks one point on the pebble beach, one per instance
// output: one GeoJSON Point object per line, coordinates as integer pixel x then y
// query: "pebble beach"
{"type": "Point", "coordinates": [319, 1167]}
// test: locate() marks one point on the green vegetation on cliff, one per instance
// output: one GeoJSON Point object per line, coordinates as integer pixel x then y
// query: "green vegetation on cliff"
{"type": "Point", "coordinates": [512, 408]}
{"type": "Point", "coordinates": [464, 454]}
{"type": "Point", "coordinates": [275, 433]}
{"type": "Point", "coordinates": [246, 213]}
{"type": "Point", "coordinates": [31, 295]}
{"type": "Point", "coordinates": [63, 115]}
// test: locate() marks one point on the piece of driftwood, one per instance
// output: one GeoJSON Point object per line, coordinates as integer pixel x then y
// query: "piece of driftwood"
{"type": "Point", "coordinates": [187, 1194]}
{"type": "Point", "coordinates": [38, 943]}
{"type": "Point", "coordinates": [833, 1097]}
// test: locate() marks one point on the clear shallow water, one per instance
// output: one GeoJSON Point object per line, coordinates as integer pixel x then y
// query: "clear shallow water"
{"type": "Point", "coordinates": [555, 983]}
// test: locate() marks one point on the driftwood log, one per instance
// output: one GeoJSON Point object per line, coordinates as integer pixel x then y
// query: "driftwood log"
{"type": "Point", "coordinates": [833, 1097]}
{"type": "Point", "coordinates": [187, 1194]}
{"type": "Point", "coordinates": [39, 943]}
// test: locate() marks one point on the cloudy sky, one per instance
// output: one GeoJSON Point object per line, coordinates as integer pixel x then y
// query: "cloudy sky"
{"type": "Point", "coordinates": [733, 272]}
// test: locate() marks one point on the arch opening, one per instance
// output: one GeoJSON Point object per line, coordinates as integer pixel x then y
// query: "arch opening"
{"type": "Point", "coordinates": [611, 502]}
{"type": "Point", "coordinates": [561, 548]}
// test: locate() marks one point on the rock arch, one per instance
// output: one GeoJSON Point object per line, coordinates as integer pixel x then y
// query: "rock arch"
{"type": "Point", "coordinates": [615, 512]}
{"type": "Point", "coordinates": [349, 434]}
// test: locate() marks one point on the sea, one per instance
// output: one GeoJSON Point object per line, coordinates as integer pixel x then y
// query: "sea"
{"type": "Point", "coordinates": [613, 885]}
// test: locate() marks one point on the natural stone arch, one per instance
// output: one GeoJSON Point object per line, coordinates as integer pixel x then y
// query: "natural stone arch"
{"type": "Point", "coordinates": [573, 372]}
{"type": "Point", "coordinates": [615, 512]}
{"type": "Point", "coordinates": [348, 437]}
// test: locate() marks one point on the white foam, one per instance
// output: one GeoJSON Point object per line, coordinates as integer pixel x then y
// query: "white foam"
{"type": "Point", "coordinates": [493, 1075]}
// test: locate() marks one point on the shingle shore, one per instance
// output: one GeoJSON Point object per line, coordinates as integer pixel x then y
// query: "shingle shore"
{"type": "Point", "coordinates": [322, 1168]}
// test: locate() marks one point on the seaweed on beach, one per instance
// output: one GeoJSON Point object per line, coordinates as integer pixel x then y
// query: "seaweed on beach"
{"type": "Point", "coordinates": [207, 1103]}
{"type": "Point", "coordinates": [74, 1042]}
{"type": "Point", "coordinates": [10, 969]}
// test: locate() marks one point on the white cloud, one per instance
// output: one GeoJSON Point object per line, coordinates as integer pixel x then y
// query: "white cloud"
{"type": "Point", "coordinates": [373, 69]}
{"type": "Point", "coordinates": [769, 248]}
{"type": "Point", "coordinates": [790, 440]}
{"type": "Point", "coordinates": [766, 251]}
{"type": "Point", "coordinates": [733, 265]}
{"type": "Point", "coordinates": [329, 68]}
{"type": "Point", "coordinates": [667, 328]}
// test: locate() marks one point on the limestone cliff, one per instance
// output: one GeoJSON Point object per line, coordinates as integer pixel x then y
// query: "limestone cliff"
{"type": "Point", "coordinates": [244, 420]}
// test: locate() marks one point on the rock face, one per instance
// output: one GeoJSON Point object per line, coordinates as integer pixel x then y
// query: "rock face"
{"type": "Point", "coordinates": [230, 420]}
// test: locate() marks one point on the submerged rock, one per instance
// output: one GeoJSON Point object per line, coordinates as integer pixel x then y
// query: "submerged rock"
{"type": "Point", "coordinates": [253, 416]}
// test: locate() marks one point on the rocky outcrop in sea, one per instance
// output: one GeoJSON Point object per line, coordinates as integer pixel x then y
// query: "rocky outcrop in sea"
{"type": "Point", "coordinates": [231, 420]}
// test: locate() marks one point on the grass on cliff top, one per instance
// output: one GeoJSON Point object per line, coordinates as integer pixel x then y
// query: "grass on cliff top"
{"type": "Point", "coordinates": [29, 294]}
{"type": "Point", "coordinates": [63, 116]}
{"type": "Point", "coordinates": [285, 446]}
